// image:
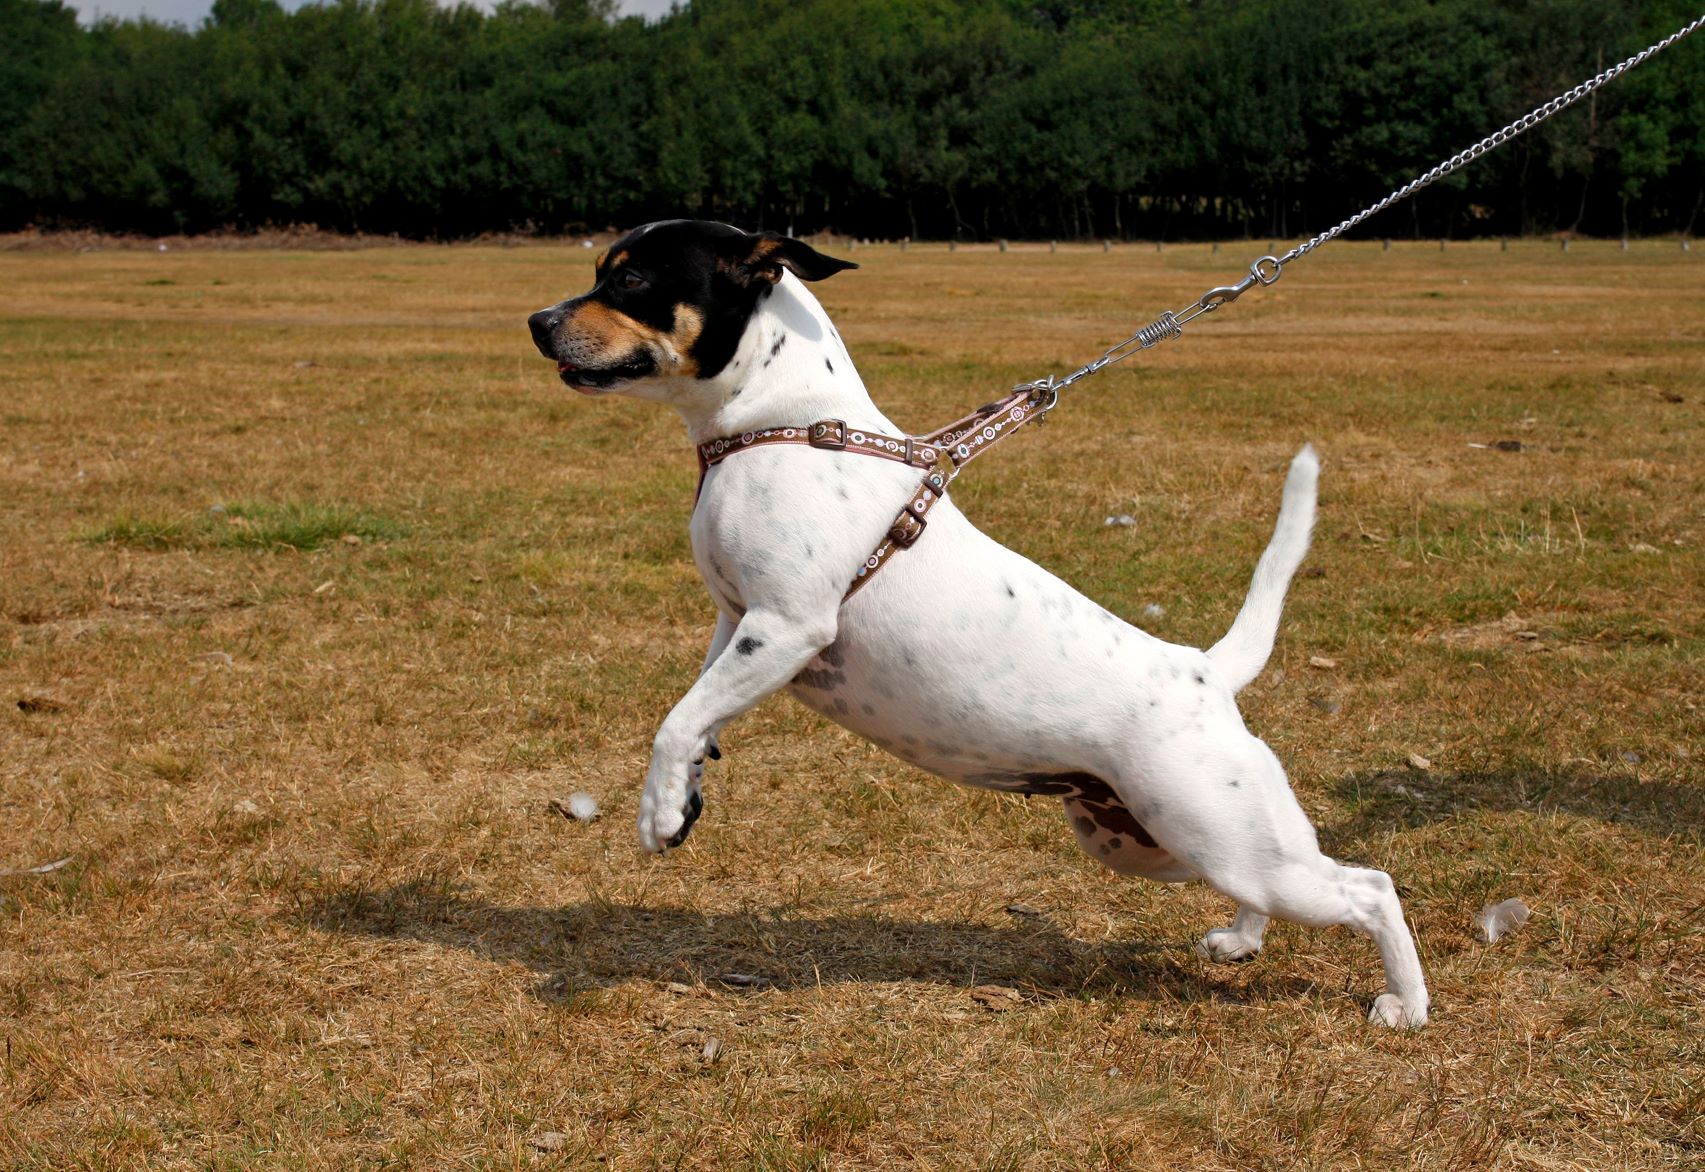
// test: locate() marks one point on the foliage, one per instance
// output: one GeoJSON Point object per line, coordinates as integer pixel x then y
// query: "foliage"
{"type": "Point", "coordinates": [964, 118]}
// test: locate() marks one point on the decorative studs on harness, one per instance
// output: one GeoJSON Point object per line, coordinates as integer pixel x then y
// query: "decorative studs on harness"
{"type": "Point", "coordinates": [942, 453]}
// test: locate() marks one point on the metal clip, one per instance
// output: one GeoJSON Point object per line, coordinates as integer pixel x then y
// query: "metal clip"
{"type": "Point", "coordinates": [1038, 389]}
{"type": "Point", "coordinates": [1259, 274]}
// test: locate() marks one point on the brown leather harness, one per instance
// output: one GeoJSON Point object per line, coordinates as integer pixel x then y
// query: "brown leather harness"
{"type": "Point", "coordinates": [942, 453]}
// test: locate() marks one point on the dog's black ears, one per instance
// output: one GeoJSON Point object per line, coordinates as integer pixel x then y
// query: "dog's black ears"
{"type": "Point", "coordinates": [762, 257]}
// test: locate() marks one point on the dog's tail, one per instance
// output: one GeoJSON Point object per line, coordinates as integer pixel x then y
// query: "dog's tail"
{"type": "Point", "coordinates": [1243, 652]}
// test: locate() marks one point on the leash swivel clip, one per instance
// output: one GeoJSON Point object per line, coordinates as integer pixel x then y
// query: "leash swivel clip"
{"type": "Point", "coordinates": [1263, 272]}
{"type": "Point", "coordinates": [1044, 394]}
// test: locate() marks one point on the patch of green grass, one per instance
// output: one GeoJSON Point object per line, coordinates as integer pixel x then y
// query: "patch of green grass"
{"type": "Point", "coordinates": [299, 526]}
{"type": "Point", "coordinates": [305, 527]}
{"type": "Point", "coordinates": [140, 532]}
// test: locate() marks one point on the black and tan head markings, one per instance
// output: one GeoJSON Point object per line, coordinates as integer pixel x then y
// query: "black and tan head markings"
{"type": "Point", "coordinates": [672, 298]}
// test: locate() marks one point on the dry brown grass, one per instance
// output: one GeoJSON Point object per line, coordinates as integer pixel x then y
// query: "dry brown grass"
{"type": "Point", "coordinates": [319, 912]}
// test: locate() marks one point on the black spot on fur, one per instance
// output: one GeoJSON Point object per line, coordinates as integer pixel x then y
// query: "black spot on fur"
{"type": "Point", "coordinates": [1100, 805]}
{"type": "Point", "coordinates": [831, 655]}
{"type": "Point", "coordinates": [1075, 783]}
{"type": "Point", "coordinates": [870, 710]}
{"type": "Point", "coordinates": [747, 645]}
{"type": "Point", "coordinates": [1009, 591]}
{"type": "Point", "coordinates": [829, 365]}
{"type": "Point", "coordinates": [1201, 679]}
{"type": "Point", "coordinates": [823, 681]}
{"type": "Point", "coordinates": [1231, 785]}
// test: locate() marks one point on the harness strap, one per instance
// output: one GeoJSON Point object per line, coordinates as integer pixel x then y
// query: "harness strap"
{"type": "Point", "coordinates": [832, 435]}
{"type": "Point", "coordinates": [943, 452]}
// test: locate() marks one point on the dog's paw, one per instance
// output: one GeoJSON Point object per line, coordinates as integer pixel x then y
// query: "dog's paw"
{"type": "Point", "coordinates": [1224, 945]}
{"type": "Point", "coordinates": [663, 824]}
{"type": "Point", "coordinates": [1390, 1011]}
{"type": "Point", "coordinates": [695, 807]}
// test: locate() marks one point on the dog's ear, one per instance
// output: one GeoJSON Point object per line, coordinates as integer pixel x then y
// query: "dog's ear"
{"type": "Point", "coordinates": [762, 257]}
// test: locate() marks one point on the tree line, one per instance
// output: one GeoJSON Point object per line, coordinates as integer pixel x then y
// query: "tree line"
{"type": "Point", "coordinates": [966, 119]}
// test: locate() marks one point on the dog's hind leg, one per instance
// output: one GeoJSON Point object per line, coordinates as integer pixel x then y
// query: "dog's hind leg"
{"type": "Point", "coordinates": [1320, 892]}
{"type": "Point", "coordinates": [1238, 824]}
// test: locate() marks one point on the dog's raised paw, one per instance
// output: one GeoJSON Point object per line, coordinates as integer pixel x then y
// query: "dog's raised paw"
{"type": "Point", "coordinates": [695, 807]}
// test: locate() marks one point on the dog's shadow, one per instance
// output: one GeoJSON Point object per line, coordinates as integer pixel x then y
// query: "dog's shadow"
{"type": "Point", "coordinates": [601, 943]}
{"type": "Point", "coordinates": [1373, 802]}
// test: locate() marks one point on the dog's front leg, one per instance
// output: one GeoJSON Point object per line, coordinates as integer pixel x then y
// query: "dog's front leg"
{"type": "Point", "coordinates": [718, 644]}
{"type": "Point", "coordinates": [763, 652]}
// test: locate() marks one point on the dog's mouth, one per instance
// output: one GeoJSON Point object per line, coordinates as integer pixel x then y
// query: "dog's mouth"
{"type": "Point", "coordinates": [601, 380]}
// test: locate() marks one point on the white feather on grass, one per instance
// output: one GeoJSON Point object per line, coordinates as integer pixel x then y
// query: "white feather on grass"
{"type": "Point", "coordinates": [583, 806]}
{"type": "Point", "coordinates": [1502, 919]}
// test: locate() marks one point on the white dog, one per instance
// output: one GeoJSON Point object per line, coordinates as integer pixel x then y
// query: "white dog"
{"type": "Point", "coordinates": [961, 656]}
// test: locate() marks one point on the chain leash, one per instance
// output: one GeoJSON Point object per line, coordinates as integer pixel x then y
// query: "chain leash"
{"type": "Point", "coordinates": [1268, 269]}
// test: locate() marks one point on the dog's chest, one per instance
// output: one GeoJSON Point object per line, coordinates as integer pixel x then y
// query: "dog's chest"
{"type": "Point", "coordinates": [771, 526]}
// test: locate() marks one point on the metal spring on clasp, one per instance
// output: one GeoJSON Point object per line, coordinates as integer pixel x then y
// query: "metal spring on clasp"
{"type": "Point", "coordinates": [1163, 329]}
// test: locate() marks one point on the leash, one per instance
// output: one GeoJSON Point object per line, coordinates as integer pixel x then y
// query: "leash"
{"type": "Point", "coordinates": [945, 451]}
{"type": "Point", "coordinates": [1268, 269]}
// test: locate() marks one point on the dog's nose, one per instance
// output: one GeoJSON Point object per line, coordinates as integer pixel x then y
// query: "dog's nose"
{"type": "Point", "coordinates": [544, 324]}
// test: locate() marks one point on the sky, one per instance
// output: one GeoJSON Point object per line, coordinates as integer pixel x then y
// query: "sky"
{"type": "Point", "coordinates": [191, 12]}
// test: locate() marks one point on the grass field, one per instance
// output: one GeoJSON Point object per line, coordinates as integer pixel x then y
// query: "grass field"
{"type": "Point", "coordinates": [316, 588]}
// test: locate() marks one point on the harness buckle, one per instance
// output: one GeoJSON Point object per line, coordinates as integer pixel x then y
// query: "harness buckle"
{"type": "Point", "coordinates": [906, 529]}
{"type": "Point", "coordinates": [829, 434]}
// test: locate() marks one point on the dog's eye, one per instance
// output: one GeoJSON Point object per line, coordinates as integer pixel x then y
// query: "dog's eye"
{"type": "Point", "coordinates": [631, 280]}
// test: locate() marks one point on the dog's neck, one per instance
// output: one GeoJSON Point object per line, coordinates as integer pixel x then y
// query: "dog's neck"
{"type": "Point", "coordinates": [790, 369]}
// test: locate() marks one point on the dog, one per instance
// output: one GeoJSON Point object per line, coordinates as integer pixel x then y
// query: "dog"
{"type": "Point", "coordinates": [961, 657]}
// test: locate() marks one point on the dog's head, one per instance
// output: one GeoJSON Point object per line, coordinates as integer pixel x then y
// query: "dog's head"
{"type": "Point", "coordinates": [670, 300]}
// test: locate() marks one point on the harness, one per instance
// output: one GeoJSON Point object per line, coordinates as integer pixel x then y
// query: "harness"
{"type": "Point", "coordinates": [941, 453]}
{"type": "Point", "coordinates": [945, 451]}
